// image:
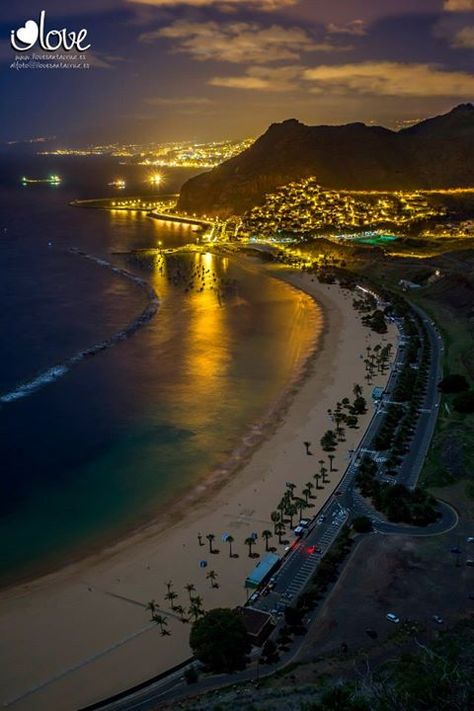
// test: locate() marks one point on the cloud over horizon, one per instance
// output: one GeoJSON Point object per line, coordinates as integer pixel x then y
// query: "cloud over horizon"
{"type": "Point", "coordinates": [239, 42]}
{"type": "Point", "coordinates": [459, 5]}
{"type": "Point", "coordinates": [277, 79]}
{"type": "Point", "coordinates": [355, 27]}
{"type": "Point", "coordinates": [175, 101]}
{"type": "Point", "coordinates": [265, 5]}
{"type": "Point", "coordinates": [464, 38]}
{"type": "Point", "coordinates": [390, 79]}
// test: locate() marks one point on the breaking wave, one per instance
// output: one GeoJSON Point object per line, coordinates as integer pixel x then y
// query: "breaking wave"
{"type": "Point", "coordinates": [57, 371]}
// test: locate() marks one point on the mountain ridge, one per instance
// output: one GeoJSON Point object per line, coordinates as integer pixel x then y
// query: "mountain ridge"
{"type": "Point", "coordinates": [435, 153]}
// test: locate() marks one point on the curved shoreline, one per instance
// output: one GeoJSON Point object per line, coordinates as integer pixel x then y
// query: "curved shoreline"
{"type": "Point", "coordinates": [252, 437]}
{"type": "Point", "coordinates": [57, 371]}
{"type": "Point", "coordinates": [88, 606]}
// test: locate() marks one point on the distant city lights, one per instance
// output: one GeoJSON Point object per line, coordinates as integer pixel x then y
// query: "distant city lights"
{"type": "Point", "coordinates": [177, 154]}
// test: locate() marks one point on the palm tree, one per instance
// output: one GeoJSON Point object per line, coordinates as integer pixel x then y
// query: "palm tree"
{"type": "Point", "coordinates": [357, 390]}
{"type": "Point", "coordinates": [308, 445]}
{"type": "Point", "coordinates": [200, 541]}
{"type": "Point", "coordinates": [171, 596]}
{"type": "Point", "coordinates": [194, 611]}
{"type": "Point", "coordinates": [317, 477]}
{"type": "Point", "coordinates": [210, 537]}
{"type": "Point", "coordinates": [190, 588]}
{"type": "Point", "coordinates": [324, 471]}
{"type": "Point", "coordinates": [250, 542]}
{"type": "Point", "coordinates": [331, 459]}
{"type": "Point", "coordinates": [280, 530]}
{"type": "Point", "coordinates": [162, 622]}
{"type": "Point", "coordinates": [291, 511]}
{"type": "Point", "coordinates": [266, 535]}
{"type": "Point", "coordinates": [291, 488]}
{"type": "Point", "coordinates": [230, 540]}
{"type": "Point", "coordinates": [179, 609]}
{"type": "Point", "coordinates": [301, 504]}
{"type": "Point", "coordinates": [281, 506]}
{"type": "Point", "coordinates": [307, 491]}
{"type": "Point", "coordinates": [151, 606]}
{"type": "Point", "coordinates": [169, 585]}
{"type": "Point", "coordinates": [212, 575]}
{"type": "Point", "coordinates": [275, 517]}
{"type": "Point", "coordinates": [195, 608]}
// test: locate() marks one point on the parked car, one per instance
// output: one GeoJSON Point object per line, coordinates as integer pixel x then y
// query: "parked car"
{"type": "Point", "coordinates": [439, 620]}
{"type": "Point", "coordinates": [391, 617]}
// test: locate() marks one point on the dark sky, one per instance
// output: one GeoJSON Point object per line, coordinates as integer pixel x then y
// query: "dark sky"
{"type": "Point", "coordinates": [213, 69]}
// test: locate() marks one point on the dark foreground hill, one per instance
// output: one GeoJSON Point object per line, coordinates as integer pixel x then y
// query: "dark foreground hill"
{"type": "Point", "coordinates": [436, 153]}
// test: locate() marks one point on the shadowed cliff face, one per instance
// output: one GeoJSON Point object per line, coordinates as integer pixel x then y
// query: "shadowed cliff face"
{"type": "Point", "coordinates": [435, 153]}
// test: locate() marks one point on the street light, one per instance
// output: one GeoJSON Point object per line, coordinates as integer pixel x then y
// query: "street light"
{"type": "Point", "coordinates": [156, 179]}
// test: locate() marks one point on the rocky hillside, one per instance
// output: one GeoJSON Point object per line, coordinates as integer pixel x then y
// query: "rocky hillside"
{"type": "Point", "coordinates": [435, 153]}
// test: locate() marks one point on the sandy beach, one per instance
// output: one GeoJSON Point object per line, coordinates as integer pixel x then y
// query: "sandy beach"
{"type": "Point", "coordinates": [81, 634]}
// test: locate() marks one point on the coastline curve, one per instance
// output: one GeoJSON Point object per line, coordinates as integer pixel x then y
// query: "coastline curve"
{"type": "Point", "coordinates": [57, 371]}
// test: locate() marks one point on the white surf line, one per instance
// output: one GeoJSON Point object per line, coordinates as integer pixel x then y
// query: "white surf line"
{"type": "Point", "coordinates": [57, 371]}
{"type": "Point", "coordinates": [79, 665]}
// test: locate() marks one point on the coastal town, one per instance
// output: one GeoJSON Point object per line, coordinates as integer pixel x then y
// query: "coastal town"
{"type": "Point", "coordinates": [306, 208]}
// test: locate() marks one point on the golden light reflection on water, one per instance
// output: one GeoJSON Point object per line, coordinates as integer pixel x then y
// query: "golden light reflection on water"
{"type": "Point", "coordinates": [227, 338]}
{"type": "Point", "coordinates": [206, 346]}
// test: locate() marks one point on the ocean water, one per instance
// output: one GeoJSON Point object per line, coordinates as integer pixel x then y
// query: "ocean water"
{"type": "Point", "coordinates": [90, 452]}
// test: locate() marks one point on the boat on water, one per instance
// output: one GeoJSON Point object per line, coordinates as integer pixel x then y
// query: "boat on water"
{"type": "Point", "coordinates": [119, 183]}
{"type": "Point", "coordinates": [50, 180]}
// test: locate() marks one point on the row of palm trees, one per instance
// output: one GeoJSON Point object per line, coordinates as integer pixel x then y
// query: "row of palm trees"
{"type": "Point", "coordinates": [345, 414]}
{"type": "Point", "coordinates": [291, 504]}
{"type": "Point", "coordinates": [377, 360]}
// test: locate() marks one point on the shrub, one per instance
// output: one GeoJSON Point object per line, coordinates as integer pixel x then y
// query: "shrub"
{"type": "Point", "coordinates": [453, 383]}
{"type": "Point", "coordinates": [464, 402]}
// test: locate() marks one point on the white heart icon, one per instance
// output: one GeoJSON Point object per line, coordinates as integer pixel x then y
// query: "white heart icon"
{"type": "Point", "coordinates": [29, 33]}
